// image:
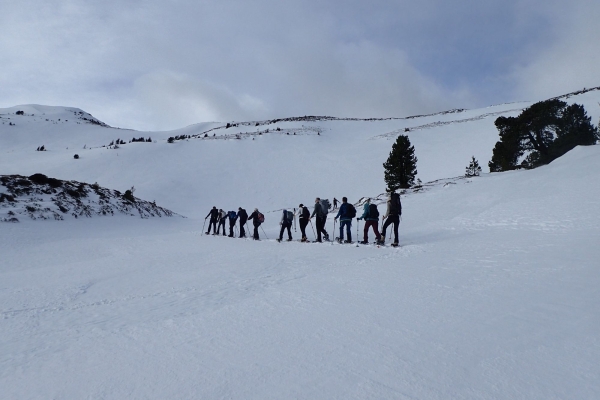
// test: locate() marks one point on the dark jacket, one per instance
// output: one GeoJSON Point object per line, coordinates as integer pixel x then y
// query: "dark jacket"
{"type": "Point", "coordinates": [243, 216]}
{"type": "Point", "coordinates": [213, 214]}
{"type": "Point", "coordinates": [342, 213]}
{"type": "Point", "coordinates": [254, 218]}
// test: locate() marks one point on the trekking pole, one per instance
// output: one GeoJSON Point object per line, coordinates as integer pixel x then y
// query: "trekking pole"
{"type": "Point", "coordinates": [357, 223]}
{"type": "Point", "coordinates": [313, 228]}
{"type": "Point", "coordinates": [264, 232]}
{"type": "Point", "coordinates": [203, 227]}
{"type": "Point", "coordinates": [248, 229]}
{"type": "Point", "coordinates": [295, 220]}
{"type": "Point", "coordinates": [334, 221]}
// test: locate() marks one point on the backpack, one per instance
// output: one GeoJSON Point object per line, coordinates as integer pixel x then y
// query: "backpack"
{"type": "Point", "coordinates": [305, 213]}
{"type": "Point", "coordinates": [261, 217]}
{"type": "Point", "coordinates": [289, 216]}
{"type": "Point", "coordinates": [350, 211]}
{"type": "Point", "coordinates": [232, 215]}
{"type": "Point", "coordinates": [325, 206]}
{"type": "Point", "coordinates": [373, 212]}
{"type": "Point", "coordinates": [395, 205]}
{"type": "Point", "coordinates": [243, 214]}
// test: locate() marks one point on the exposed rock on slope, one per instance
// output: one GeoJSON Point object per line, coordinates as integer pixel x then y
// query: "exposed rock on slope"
{"type": "Point", "coordinates": [41, 197]}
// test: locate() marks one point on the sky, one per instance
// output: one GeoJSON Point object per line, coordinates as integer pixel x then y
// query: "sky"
{"type": "Point", "coordinates": [161, 65]}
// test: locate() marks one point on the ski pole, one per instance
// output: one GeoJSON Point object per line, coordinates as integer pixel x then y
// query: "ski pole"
{"type": "Point", "coordinates": [334, 221]}
{"type": "Point", "coordinates": [264, 232]}
{"type": "Point", "coordinates": [357, 223]}
{"type": "Point", "coordinates": [203, 227]}
{"type": "Point", "coordinates": [295, 220]}
{"type": "Point", "coordinates": [313, 228]}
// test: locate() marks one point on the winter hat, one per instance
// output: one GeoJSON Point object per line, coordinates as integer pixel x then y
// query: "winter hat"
{"type": "Point", "coordinates": [256, 209]}
{"type": "Point", "coordinates": [301, 205]}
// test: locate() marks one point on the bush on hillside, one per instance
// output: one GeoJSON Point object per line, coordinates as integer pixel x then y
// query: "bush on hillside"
{"type": "Point", "coordinates": [473, 169]}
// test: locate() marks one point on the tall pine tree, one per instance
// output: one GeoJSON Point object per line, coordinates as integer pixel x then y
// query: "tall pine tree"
{"type": "Point", "coordinates": [401, 165]}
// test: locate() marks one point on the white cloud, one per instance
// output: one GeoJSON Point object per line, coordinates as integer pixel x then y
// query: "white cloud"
{"type": "Point", "coordinates": [571, 62]}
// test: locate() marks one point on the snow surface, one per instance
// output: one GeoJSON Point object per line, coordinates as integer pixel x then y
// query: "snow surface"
{"type": "Point", "coordinates": [493, 295]}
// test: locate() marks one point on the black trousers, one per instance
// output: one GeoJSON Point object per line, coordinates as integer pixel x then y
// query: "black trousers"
{"type": "Point", "coordinates": [221, 223]}
{"type": "Point", "coordinates": [213, 223]}
{"type": "Point", "coordinates": [321, 227]}
{"type": "Point", "coordinates": [231, 226]}
{"type": "Point", "coordinates": [391, 219]}
{"type": "Point", "coordinates": [285, 225]}
{"type": "Point", "coordinates": [242, 230]}
{"type": "Point", "coordinates": [256, 232]}
{"type": "Point", "coordinates": [303, 223]}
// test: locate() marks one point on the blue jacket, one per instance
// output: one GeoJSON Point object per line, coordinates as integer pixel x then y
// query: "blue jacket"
{"type": "Point", "coordinates": [342, 213]}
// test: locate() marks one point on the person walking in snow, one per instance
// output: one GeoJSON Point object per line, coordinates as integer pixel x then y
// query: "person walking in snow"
{"type": "Point", "coordinates": [321, 219]}
{"type": "Point", "coordinates": [222, 219]}
{"type": "Point", "coordinates": [256, 221]}
{"type": "Point", "coordinates": [392, 216]}
{"type": "Point", "coordinates": [303, 218]}
{"type": "Point", "coordinates": [287, 218]}
{"type": "Point", "coordinates": [345, 214]}
{"type": "Point", "coordinates": [243, 216]}
{"type": "Point", "coordinates": [335, 203]}
{"type": "Point", "coordinates": [232, 217]}
{"type": "Point", "coordinates": [371, 217]}
{"type": "Point", "coordinates": [214, 217]}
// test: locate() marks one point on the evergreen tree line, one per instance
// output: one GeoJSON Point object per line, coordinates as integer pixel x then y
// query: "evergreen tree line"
{"type": "Point", "coordinates": [539, 135]}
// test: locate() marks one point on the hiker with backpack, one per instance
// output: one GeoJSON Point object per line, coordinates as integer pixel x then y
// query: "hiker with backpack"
{"type": "Point", "coordinates": [371, 217]}
{"type": "Point", "coordinates": [214, 217]}
{"type": "Point", "coordinates": [303, 218]}
{"type": "Point", "coordinates": [222, 218]}
{"type": "Point", "coordinates": [345, 214]}
{"type": "Point", "coordinates": [335, 203]}
{"type": "Point", "coordinates": [257, 218]}
{"type": "Point", "coordinates": [287, 219]}
{"type": "Point", "coordinates": [243, 216]}
{"type": "Point", "coordinates": [232, 217]}
{"type": "Point", "coordinates": [392, 216]}
{"type": "Point", "coordinates": [321, 210]}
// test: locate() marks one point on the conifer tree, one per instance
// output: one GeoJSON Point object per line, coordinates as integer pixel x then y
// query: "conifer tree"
{"type": "Point", "coordinates": [401, 165]}
{"type": "Point", "coordinates": [473, 169]}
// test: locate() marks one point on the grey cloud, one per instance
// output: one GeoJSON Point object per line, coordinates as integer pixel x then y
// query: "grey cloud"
{"type": "Point", "coordinates": [130, 62]}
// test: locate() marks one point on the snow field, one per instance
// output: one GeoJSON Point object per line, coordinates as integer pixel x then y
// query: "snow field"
{"type": "Point", "coordinates": [493, 294]}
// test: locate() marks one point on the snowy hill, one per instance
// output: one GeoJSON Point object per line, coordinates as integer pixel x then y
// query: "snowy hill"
{"type": "Point", "coordinates": [327, 157]}
{"type": "Point", "coordinates": [492, 295]}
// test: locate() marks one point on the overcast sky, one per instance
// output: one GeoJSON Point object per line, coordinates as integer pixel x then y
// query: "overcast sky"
{"type": "Point", "coordinates": [154, 65]}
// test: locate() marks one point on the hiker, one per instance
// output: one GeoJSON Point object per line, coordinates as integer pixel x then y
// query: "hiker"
{"type": "Point", "coordinates": [392, 216]}
{"type": "Point", "coordinates": [287, 218]}
{"type": "Point", "coordinates": [222, 219]}
{"type": "Point", "coordinates": [321, 212]}
{"type": "Point", "coordinates": [232, 217]}
{"type": "Point", "coordinates": [303, 218]}
{"type": "Point", "coordinates": [257, 219]}
{"type": "Point", "coordinates": [345, 214]}
{"type": "Point", "coordinates": [243, 216]}
{"type": "Point", "coordinates": [335, 202]}
{"type": "Point", "coordinates": [214, 217]}
{"type": "Point", "coordinates": [371, 217]}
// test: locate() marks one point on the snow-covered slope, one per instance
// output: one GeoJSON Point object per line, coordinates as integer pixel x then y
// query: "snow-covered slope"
{"type": "Point", "coordinates": [493, 294]}
{"type": "Point", "coordinates": [326, 157]}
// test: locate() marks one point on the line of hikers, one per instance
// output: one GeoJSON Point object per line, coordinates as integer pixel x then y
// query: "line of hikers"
{"type": "Point", "coordinates": [346, 213]}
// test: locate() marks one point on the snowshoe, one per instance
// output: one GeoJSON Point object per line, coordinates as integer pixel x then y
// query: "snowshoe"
{"type": "Point", "coordinates": [348, 241]}
{"type": "Point", "coordinates": [394, 245]}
